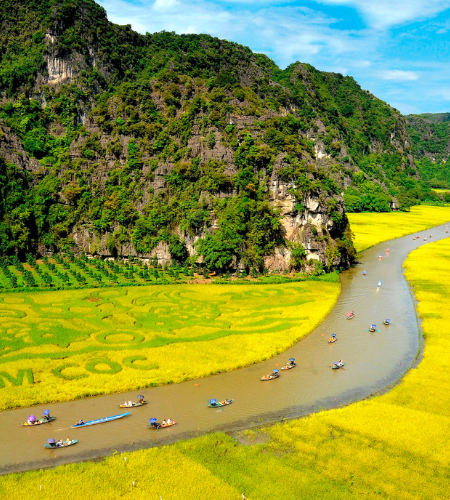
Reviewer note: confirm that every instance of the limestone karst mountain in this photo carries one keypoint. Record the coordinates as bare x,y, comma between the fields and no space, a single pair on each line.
179,146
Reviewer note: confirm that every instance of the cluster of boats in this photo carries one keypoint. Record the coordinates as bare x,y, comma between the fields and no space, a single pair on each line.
154,424
351,314
275,373
425,238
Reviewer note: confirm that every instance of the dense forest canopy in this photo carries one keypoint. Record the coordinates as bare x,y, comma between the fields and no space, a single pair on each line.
126,143
430,136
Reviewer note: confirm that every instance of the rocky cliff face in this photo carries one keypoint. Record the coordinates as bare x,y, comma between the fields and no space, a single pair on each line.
310,229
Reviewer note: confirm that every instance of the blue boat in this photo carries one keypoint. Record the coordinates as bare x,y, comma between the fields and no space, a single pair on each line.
100,420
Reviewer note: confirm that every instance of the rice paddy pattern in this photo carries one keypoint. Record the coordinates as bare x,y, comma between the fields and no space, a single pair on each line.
87,342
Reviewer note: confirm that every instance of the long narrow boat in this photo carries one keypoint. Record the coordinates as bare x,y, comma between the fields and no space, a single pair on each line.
219,404
40,421
157,425
134,404
58,446
101,420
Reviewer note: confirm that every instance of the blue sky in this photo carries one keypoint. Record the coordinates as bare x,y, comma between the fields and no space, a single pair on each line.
399,50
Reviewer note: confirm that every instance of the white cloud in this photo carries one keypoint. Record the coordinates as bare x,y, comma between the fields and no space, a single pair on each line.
383,14
164,5
398,75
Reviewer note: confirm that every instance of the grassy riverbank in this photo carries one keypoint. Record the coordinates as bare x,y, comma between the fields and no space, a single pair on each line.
58,346
372,228
392,446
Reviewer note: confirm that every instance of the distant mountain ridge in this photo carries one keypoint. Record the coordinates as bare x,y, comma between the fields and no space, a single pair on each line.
183,146
430,139
433,117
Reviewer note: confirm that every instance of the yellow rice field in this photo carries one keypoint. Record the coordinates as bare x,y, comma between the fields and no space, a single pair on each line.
372,228
395,446
58,346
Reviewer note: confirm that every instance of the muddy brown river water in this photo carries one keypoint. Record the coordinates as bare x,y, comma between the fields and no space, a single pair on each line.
372,363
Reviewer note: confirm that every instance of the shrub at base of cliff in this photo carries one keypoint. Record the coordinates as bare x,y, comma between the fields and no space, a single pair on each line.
298,256
249,230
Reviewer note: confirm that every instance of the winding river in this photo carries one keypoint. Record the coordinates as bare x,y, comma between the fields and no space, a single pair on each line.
373,362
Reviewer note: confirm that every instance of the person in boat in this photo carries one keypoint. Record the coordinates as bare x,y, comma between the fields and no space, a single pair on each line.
60,442
154,423
130,403
387,321
80,422
46,415
169,421
67,441
125,404
379,284
364,273
163,423
32,420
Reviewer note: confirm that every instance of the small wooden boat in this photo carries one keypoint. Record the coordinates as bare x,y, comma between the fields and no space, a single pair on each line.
157,425
332,340
387,322
101,420
336,366
39,421
350,315
134,404
288,367
219,404
272,376
57,446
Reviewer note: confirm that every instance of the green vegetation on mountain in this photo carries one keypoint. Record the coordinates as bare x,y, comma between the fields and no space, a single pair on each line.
430,137
186,146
